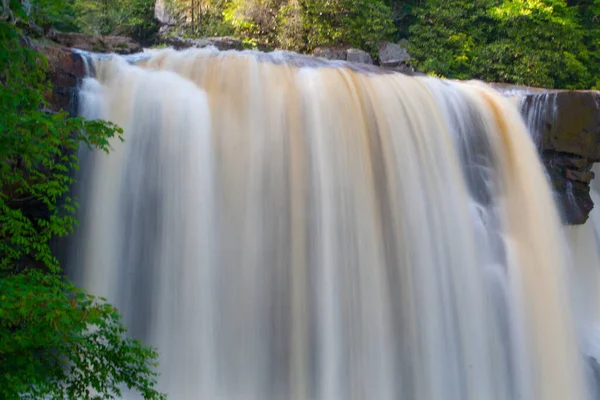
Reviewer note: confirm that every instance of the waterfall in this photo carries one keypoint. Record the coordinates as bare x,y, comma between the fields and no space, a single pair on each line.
289,228
584,242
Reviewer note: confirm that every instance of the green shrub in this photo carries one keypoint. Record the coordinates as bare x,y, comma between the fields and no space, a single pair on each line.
134,18
56,341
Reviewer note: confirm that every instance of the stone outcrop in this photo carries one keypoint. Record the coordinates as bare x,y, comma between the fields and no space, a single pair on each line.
344,54
66,69
392,56
162,14
570,146
221,43
395,56
566,128
96,44
358,56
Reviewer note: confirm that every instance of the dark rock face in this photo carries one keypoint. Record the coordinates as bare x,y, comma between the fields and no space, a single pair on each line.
66,68
566,128
96,44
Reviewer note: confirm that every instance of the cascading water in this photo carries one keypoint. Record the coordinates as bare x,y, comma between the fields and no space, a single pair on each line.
584,243
539,108
283,230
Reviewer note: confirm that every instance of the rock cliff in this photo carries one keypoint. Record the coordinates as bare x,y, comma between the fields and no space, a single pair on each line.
97,44
565,126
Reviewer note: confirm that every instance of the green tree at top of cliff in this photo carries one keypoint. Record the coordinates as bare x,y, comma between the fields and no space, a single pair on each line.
589,14
531,42
299,25
134,18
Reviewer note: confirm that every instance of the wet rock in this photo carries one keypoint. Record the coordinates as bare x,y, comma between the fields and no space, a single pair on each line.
96,43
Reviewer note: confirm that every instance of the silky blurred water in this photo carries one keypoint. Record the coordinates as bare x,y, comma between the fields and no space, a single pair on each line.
284,229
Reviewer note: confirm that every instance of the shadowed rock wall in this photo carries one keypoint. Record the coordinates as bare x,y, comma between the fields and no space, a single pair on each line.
566,128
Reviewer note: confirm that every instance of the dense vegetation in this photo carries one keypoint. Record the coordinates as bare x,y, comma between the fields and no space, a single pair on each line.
56,341
541,42
549,43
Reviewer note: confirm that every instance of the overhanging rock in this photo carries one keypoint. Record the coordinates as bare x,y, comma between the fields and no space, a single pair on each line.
565,124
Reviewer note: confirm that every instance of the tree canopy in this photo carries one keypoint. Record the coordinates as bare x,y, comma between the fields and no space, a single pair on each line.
547,43
531,42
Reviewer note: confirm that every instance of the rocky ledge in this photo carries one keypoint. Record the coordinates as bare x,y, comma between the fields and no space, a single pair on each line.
221,43
564,124
96,44
566,127
65,69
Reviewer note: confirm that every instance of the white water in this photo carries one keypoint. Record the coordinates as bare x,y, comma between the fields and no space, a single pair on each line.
289,232
584,241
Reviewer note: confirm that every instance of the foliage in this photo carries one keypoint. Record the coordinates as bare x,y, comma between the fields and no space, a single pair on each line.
549,43
302,25
444,38
58,14
359,23
256,19
199,18
59,342
299,25
290,26
403,15
134,18
55,341
531,42
589,14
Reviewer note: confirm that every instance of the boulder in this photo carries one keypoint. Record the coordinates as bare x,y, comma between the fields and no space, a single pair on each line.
344,54
392,55
221,43
330,53
96,43
358,56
